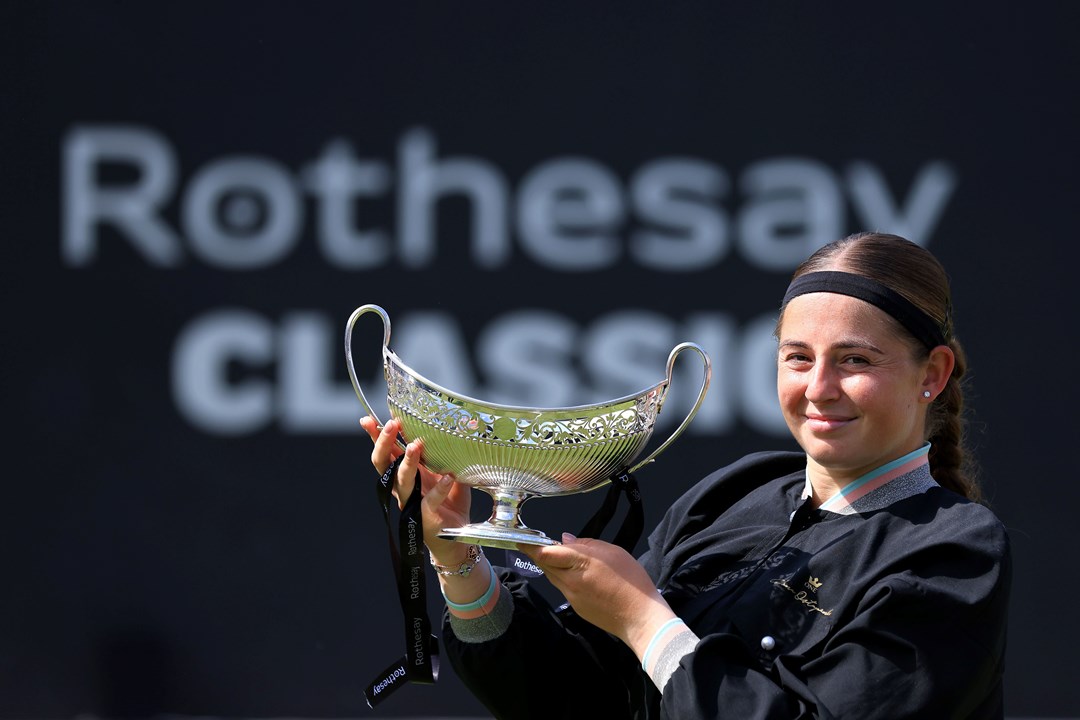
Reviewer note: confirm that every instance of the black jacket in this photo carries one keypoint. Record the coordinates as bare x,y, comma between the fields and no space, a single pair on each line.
896,613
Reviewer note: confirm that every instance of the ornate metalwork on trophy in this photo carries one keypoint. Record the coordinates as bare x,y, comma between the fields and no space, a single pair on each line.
515,453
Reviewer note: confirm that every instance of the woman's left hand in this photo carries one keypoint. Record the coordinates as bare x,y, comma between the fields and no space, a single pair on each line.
605,585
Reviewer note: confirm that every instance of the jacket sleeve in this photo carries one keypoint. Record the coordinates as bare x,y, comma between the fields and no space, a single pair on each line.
546,665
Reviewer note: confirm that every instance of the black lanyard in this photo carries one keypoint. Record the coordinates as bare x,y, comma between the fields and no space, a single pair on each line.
420,664
629,533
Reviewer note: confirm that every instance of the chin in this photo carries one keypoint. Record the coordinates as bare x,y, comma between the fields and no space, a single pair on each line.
825,452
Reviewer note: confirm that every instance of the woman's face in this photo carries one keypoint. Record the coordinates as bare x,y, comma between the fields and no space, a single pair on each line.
849,387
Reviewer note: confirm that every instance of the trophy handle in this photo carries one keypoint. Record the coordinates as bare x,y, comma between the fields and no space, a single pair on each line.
363,309
705,378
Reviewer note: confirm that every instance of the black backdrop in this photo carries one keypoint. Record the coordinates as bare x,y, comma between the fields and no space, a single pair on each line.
196,196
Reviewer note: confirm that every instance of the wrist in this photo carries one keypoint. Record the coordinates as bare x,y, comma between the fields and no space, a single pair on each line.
659,639
481,605
650,620
463,567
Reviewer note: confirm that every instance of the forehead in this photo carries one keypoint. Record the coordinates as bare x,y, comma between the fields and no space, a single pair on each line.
808,317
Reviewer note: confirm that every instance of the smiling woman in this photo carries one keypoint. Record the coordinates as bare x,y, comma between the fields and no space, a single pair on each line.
846,379
852,389
874,336
860,578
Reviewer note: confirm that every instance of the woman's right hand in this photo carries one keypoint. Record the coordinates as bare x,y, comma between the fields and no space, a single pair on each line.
606,586
445,503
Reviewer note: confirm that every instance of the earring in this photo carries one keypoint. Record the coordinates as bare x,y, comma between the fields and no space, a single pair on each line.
926,394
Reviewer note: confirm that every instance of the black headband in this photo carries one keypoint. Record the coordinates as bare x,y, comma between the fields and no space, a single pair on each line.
918,323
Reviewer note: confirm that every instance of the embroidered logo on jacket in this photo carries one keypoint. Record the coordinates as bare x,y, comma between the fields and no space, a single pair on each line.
808,599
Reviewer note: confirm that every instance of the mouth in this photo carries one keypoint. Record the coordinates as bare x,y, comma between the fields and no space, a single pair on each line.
826,423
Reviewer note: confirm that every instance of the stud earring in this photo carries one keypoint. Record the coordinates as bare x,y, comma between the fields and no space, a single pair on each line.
926,394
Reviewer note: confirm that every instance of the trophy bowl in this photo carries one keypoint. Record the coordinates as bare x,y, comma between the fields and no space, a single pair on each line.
515,453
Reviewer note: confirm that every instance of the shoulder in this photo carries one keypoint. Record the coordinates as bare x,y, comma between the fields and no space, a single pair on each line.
722,488
750,472
951,519
980,529
946,546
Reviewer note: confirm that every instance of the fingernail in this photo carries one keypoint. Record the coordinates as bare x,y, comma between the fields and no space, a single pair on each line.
567,538
444,480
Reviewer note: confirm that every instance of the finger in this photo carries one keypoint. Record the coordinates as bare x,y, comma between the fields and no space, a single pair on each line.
371,427
438,492
552,557
531,550
406,475
411,462
457,491
386,448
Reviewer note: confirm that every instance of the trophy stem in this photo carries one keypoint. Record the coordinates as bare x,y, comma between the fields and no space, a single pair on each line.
506,512
504,529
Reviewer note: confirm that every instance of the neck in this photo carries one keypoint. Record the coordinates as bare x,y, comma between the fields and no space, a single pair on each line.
826,483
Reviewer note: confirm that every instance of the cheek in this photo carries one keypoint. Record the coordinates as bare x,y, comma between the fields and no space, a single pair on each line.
860,392
790,388
872,397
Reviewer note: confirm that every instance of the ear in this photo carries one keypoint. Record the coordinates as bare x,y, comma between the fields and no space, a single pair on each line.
939,367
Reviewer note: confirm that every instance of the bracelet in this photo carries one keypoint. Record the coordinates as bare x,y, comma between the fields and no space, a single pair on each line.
656,636
472,557
480,601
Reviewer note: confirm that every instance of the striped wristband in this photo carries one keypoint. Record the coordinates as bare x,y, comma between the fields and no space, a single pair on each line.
656,636
481,601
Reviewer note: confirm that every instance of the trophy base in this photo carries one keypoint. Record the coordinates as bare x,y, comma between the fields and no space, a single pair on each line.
491,535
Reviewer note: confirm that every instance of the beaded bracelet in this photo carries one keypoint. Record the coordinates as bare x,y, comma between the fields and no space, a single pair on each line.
472,557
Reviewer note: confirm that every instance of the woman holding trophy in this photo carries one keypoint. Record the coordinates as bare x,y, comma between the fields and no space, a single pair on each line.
859,578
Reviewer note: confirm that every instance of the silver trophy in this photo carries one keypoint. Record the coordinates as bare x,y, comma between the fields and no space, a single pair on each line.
515,453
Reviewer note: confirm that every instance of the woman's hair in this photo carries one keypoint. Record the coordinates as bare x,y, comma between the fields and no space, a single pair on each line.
913,272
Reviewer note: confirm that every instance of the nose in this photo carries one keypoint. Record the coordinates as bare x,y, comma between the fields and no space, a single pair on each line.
823,383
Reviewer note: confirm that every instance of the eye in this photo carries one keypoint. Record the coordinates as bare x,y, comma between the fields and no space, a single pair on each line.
795,358
855,360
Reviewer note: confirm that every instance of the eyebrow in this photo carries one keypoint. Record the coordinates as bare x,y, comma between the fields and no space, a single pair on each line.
847,344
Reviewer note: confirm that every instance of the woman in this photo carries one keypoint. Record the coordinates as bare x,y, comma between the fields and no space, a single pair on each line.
859,578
